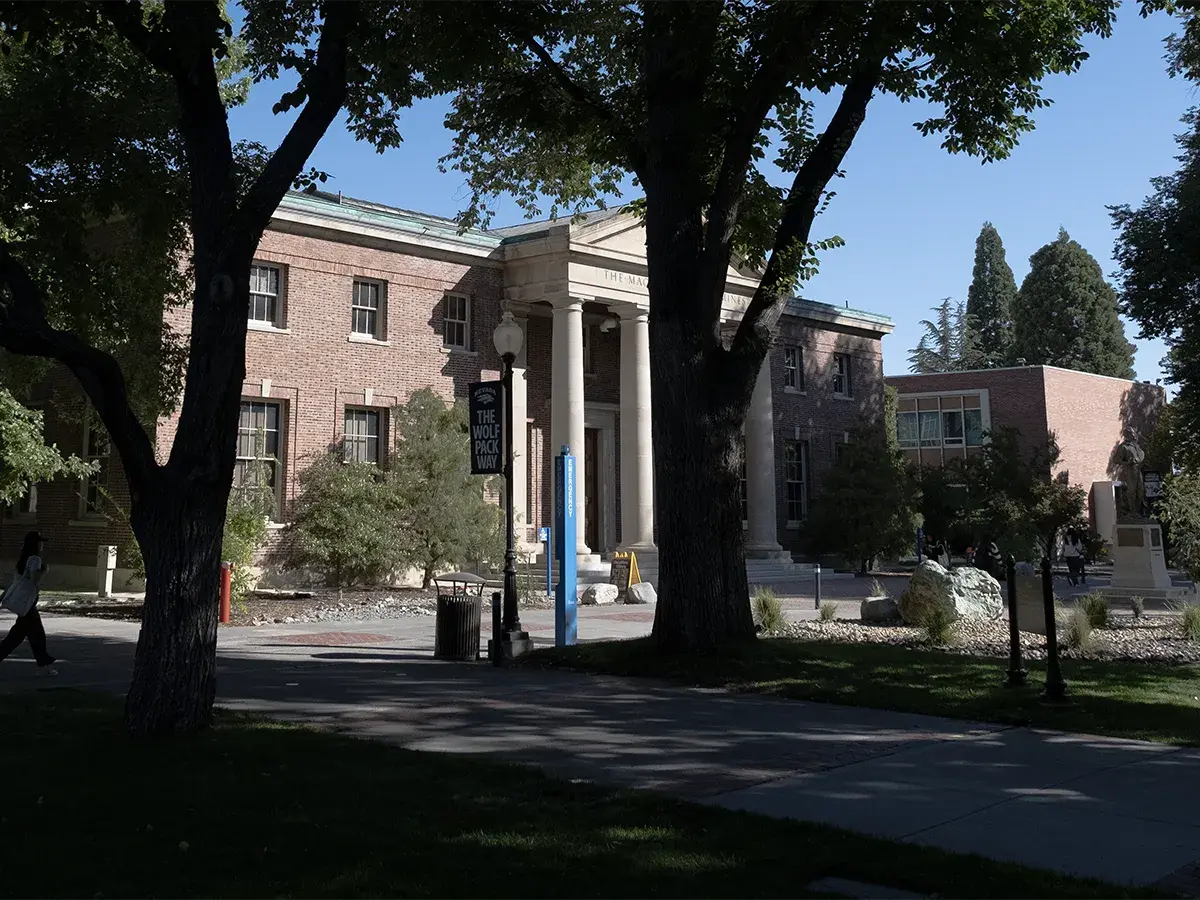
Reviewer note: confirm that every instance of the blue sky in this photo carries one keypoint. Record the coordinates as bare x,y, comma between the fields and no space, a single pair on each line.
908,211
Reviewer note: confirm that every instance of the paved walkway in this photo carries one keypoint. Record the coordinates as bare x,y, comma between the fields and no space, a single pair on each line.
1120,810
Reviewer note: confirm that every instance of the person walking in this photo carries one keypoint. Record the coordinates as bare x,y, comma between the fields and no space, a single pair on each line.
21,597
1072,554
994,561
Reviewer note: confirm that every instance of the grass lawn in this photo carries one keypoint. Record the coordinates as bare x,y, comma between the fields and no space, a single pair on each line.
260,809
1148,702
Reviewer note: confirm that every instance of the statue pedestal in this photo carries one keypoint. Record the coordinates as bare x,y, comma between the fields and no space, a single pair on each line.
1140,563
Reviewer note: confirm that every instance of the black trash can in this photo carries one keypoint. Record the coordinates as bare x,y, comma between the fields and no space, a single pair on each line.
459,616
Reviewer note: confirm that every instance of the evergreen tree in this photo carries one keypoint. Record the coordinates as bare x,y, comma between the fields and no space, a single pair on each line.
1066,314
950,342
990,299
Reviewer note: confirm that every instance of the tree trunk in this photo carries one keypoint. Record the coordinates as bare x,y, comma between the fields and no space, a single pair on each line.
704,601
174,673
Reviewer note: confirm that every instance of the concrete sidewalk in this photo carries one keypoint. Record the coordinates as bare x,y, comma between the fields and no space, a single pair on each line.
1120,810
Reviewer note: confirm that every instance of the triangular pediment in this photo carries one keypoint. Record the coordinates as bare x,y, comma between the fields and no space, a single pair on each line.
623,233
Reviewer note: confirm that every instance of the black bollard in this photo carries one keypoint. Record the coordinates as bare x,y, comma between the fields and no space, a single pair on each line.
817,586
1056,687
1016,668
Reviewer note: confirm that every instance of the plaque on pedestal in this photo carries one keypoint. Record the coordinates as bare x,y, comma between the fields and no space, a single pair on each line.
1140,562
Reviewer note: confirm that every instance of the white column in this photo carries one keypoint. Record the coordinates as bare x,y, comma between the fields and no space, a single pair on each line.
761,539
520,407
566,400
637,449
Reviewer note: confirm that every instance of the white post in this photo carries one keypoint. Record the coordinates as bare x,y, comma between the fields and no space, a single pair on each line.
637,449
106,564
761,539
566,400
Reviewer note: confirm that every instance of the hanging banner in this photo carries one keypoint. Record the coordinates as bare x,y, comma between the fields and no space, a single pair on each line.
486,416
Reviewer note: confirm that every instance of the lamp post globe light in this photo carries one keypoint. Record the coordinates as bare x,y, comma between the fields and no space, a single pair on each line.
508,338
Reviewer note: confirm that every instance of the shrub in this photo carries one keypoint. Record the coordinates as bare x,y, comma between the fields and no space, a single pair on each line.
1189,620
1077,629
877,589
246,516
768,611
1095,606
828,610
345,526
938,624
1138,606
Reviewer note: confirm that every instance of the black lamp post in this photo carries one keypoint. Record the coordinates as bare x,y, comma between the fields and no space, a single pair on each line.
1016,667
508,338
1056,688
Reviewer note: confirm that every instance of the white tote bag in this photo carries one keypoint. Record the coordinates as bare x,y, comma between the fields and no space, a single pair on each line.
20,596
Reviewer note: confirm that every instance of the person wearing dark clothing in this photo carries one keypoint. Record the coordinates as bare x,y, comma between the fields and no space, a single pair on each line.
991,561
1072,554
21,597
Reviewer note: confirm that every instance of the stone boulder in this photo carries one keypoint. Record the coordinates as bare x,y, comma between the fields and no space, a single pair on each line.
642,592
599,595
879,611
964,593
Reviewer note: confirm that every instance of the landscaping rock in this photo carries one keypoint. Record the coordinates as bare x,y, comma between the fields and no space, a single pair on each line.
642,592
879,611
964,593
599,595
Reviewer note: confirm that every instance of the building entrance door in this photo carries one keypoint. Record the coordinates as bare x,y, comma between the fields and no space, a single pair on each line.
591,487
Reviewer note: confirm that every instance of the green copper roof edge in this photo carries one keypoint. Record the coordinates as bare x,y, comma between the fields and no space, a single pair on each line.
410,223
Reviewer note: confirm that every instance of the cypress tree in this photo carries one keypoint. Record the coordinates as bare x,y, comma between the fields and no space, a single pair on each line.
990,300
1066,314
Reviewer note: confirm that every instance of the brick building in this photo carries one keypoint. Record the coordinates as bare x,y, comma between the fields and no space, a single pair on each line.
943,416
355,305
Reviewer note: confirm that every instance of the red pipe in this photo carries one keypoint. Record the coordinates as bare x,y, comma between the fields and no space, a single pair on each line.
226,587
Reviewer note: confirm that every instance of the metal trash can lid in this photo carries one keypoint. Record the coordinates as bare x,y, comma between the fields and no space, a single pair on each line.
460,578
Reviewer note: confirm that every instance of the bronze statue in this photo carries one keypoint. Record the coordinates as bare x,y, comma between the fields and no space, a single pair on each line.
1130,458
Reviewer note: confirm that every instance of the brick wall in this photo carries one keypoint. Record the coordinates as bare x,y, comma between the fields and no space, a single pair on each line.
814,414
1089,413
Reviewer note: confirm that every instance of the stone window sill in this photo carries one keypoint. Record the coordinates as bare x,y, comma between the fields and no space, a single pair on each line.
89,523
367,339
276,526
794,525
267,328
798,391
843,396
458,351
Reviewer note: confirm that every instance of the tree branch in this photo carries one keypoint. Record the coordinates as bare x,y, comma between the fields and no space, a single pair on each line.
25,330
127,18
784,52
326,83
800,209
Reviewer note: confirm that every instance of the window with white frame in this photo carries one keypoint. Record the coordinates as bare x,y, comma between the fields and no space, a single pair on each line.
841,375
587,349
96,450
25,507
366,309
259,446
456,322
942,422
793,368
795,477
266,302
361,437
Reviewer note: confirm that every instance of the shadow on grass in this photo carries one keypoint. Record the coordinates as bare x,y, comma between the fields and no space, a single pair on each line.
255,808
1147,702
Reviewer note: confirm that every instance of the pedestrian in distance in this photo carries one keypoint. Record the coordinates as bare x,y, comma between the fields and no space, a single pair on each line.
21,597
1072,554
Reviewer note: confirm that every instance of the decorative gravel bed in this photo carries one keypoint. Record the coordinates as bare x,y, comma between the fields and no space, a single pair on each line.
1155,639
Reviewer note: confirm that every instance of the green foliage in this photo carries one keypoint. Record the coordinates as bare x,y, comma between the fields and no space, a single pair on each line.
247,513
1095,607
767,610
447,519
827,611
345,524
868,503
1066,314
1137,605
1077,629
1179,510
990,300
944,503
938,624
948,344
891,402
1189,620
877,589
25,459
1012,497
